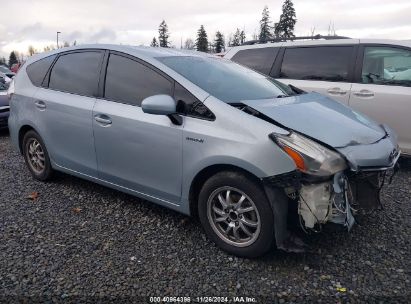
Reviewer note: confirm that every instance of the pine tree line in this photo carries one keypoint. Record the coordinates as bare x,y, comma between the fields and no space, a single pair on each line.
283,29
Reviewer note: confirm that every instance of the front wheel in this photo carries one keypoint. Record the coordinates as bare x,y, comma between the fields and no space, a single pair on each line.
236,214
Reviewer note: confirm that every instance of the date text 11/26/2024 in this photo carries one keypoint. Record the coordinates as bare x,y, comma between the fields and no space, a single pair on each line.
171,299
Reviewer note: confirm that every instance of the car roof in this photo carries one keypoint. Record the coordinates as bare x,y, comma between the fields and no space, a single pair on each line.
234,50
143,52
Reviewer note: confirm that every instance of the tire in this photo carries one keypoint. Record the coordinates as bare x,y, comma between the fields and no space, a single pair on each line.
219,214
36,156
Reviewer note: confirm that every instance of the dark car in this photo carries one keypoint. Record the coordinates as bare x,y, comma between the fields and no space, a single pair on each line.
4,105
6,70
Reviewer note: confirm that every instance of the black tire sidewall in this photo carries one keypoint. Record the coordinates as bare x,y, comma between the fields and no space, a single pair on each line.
47,172
253,190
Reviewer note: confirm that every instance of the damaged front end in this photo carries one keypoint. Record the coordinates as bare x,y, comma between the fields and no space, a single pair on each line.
328,186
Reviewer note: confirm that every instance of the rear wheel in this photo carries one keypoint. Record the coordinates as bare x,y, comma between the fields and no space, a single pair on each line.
36,156
236,214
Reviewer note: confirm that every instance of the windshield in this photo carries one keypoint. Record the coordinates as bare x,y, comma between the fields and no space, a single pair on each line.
224,79
3,86
4,69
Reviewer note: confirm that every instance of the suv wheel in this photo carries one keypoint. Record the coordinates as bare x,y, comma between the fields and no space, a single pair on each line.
36,156
236,214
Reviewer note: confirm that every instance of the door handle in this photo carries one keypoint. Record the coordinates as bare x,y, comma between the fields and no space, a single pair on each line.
103,119
40,104
364,93
336,91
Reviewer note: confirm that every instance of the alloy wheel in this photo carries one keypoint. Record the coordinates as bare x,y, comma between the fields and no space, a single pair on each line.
233,216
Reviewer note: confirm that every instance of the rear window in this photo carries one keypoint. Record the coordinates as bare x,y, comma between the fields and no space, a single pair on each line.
330,63
76,73
38,70
259,59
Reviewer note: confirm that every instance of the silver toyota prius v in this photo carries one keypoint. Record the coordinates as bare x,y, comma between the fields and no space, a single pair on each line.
201,135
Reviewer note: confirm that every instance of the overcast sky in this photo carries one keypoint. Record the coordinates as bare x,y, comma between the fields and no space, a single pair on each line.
35,22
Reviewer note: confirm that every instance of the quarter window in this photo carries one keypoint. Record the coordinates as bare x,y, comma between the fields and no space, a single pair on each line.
188,104
387,65
330,63
76,73
38,70
259,59
130,82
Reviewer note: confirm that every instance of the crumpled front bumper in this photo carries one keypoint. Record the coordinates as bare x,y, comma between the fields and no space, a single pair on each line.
378,156
340,197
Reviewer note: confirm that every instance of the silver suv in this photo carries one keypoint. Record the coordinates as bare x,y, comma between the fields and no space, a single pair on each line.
201,135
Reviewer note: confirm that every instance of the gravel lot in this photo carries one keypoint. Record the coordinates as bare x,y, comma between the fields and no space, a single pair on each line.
79,241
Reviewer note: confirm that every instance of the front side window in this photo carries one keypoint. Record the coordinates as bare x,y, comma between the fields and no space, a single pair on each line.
129,81
37,70
76,73
224,79
387,65
259,59
327,63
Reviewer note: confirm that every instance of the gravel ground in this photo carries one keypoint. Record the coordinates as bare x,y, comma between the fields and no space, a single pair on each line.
78,241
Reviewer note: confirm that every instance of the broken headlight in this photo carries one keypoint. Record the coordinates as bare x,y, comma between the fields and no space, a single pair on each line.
309,156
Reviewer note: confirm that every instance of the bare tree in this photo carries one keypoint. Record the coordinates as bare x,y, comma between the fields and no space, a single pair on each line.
189,44
31,50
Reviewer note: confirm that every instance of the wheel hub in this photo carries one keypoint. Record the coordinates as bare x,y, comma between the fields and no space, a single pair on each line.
233,216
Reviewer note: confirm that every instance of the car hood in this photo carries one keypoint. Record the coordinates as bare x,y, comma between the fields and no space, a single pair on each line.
321,118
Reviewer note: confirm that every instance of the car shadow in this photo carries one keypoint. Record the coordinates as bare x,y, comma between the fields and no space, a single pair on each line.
4,132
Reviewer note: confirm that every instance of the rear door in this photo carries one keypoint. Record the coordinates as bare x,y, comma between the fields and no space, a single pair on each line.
324,69
138,151
63,110
383,88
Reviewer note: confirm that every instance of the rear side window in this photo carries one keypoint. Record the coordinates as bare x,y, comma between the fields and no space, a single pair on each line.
38,70
260,59
329,63
130,82
76,73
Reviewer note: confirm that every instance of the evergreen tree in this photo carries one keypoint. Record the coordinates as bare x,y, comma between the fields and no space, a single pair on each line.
202,40
3,61
242,37
285,27
12,58
236,38
219,43
154,42
265,25
163,34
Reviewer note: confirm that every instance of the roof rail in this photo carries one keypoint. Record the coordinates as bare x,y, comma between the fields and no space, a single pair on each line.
294,38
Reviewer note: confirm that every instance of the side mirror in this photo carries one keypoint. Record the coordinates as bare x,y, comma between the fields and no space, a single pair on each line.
162,105
159,105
